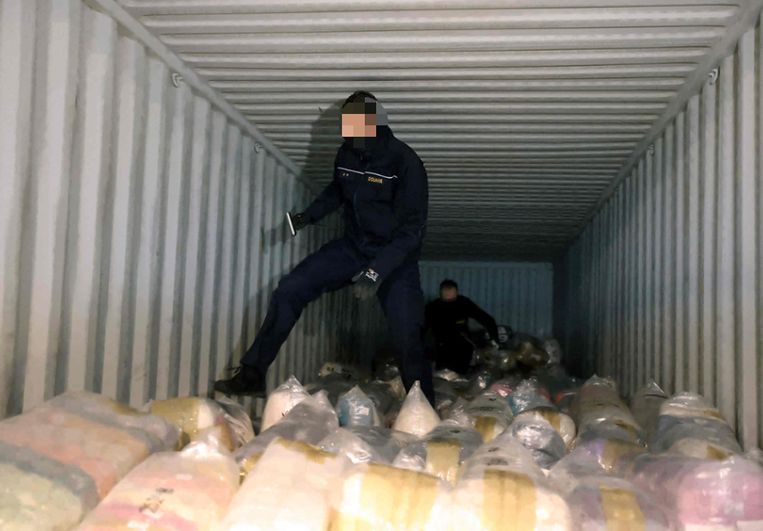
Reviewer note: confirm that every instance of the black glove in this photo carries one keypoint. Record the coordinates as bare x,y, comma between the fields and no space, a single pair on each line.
299,221
366,284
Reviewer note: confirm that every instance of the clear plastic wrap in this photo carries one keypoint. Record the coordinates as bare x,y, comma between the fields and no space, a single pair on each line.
375,496
645,406
491,415
239,421
703,493
479,382
348,444
602,503
505,386
58,460
282,400
381,394
334,385
449,376
416,415
501,488
339,369
607,450
385,443
172,491
527,395
441,452
554,350
563,424
192,415
530,354
598,407
355,408
288,489
690,426
538,436
390,374
310,422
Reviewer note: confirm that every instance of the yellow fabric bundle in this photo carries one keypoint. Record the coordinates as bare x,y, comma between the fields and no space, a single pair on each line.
193,415
375,496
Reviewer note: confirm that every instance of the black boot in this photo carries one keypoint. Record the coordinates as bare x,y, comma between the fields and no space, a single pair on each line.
246,380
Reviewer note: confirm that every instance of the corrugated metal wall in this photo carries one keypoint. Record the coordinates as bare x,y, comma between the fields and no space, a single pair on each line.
140,222
519,294
666,280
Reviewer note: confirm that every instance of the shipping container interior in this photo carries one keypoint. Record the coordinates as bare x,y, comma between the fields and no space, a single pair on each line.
594,173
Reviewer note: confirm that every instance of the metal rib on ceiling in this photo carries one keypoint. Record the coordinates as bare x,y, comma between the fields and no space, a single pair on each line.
523,111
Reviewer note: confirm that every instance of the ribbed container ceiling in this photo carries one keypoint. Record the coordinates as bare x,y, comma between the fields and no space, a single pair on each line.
526,113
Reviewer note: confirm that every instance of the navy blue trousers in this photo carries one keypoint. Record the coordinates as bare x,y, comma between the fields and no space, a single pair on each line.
331,268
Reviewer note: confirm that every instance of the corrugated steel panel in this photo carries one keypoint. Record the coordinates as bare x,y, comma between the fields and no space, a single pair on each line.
137,248
682,236
523,112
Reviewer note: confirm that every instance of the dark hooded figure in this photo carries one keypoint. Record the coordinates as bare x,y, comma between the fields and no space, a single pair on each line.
381,185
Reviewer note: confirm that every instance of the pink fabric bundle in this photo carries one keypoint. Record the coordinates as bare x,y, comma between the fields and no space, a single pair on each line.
726,494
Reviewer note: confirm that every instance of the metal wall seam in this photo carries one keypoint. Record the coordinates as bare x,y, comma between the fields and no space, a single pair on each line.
690,253
208,281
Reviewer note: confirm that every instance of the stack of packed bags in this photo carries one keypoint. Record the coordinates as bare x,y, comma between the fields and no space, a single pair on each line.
82,455
518,449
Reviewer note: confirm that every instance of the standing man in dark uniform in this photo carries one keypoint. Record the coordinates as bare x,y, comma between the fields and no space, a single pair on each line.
448,317
382,186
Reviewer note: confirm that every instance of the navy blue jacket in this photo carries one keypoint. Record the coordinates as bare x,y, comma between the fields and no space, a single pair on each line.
383,189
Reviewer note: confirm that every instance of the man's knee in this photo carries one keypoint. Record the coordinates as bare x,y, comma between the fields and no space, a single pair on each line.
291,288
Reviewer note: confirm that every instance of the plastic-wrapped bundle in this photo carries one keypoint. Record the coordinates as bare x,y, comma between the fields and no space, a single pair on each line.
339,369
193,415
645,406
62,457
530,354
390,375
500,487
505,386
239,421
565,400
598,407
528,395
608,451
181,491
554,351
441,452
287,489
562,423
416,416
355,408
704,493
335,385
282,400
381,394
348,444
385,443
449,376
538,436
602,503
491,415
310,422
375,496
688,425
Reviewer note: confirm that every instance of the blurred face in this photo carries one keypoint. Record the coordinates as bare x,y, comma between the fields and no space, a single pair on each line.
448,294
358,125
